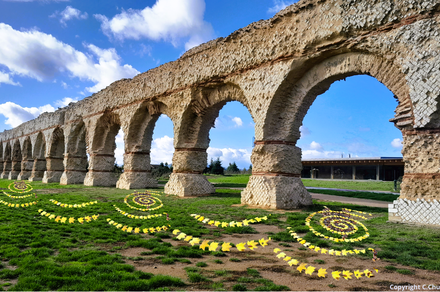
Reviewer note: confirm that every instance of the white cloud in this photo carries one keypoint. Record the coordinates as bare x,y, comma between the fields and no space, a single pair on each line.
5,78
16,114
64,85
167,20
65,101
396,143
120,149
304,131
68,14
238,122
242,157
162,150
280,5
315,146
40,56
314,154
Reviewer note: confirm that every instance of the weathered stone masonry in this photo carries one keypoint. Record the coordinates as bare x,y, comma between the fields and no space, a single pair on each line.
276,68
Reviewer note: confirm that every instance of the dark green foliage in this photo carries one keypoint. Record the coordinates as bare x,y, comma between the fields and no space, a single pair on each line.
201,264
239,287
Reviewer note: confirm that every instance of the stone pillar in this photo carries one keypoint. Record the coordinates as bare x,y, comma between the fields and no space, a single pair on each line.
54,170
75,169
353,176
276,177
377,172
187,178
101,171
332,176
419,198
7,165
26,169
137,172
38,170
15,169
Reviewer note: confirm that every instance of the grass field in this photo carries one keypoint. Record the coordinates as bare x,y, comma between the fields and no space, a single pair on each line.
240,181
38,253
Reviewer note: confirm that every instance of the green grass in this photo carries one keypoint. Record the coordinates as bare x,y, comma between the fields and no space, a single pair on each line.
55,256
362,195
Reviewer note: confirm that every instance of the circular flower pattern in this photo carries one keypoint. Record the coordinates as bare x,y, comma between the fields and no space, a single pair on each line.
144,199
20,187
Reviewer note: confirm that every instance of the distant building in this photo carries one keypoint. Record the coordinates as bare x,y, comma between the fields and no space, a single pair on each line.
372,168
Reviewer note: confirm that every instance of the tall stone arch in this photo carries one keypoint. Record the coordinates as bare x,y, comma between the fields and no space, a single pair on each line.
27,160
54,156
191,138
39,156
75,158
16,160
276,159
137,161
101,140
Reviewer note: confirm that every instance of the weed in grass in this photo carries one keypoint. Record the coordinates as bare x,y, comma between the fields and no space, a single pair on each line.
284,244
245,280
168,261
391,268
217,286
405,272
145,253
234,260
196,277
218,262
319,261
239,287
332,285
221,273
201,264
253,272
191,269
184,261
272,287
218,254
302,248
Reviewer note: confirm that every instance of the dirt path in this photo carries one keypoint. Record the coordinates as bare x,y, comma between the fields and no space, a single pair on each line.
349,200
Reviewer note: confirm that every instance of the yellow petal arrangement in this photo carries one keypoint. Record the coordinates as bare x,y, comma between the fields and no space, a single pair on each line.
226,246
136,216
227,224
17,205
138,199
18,197
346,274
130,229
20,187
70,220
65,205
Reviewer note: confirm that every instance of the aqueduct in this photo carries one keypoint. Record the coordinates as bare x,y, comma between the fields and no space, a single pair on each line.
276,68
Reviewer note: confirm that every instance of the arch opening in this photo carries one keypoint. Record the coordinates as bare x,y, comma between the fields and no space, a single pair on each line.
101,171
39,156
16,160
55,157
27,161
7,161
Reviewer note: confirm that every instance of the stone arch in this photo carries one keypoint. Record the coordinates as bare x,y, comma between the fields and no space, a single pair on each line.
101,149
54,156
16,160
276,153
75,158
137,162
39,156
192,138
7,162
27,161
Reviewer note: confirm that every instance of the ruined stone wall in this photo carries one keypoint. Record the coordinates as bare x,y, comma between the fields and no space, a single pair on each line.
276,68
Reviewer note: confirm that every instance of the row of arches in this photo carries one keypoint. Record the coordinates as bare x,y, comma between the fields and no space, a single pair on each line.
277,111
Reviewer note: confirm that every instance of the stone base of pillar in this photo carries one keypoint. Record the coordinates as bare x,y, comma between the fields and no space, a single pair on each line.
276,192
419,211
24,175
13,174
72,177
36,176
101,179
136,180
5,175
52,176
188,185
420,186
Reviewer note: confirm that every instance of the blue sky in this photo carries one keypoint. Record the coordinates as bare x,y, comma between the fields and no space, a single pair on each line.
54,52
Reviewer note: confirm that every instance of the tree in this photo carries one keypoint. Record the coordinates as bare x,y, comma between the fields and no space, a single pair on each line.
216,167
233,168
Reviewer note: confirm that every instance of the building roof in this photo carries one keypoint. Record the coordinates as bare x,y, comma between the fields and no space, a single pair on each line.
355,161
